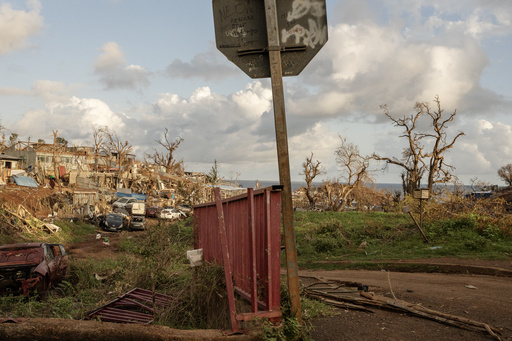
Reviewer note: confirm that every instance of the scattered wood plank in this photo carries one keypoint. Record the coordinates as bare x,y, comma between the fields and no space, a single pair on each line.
332,293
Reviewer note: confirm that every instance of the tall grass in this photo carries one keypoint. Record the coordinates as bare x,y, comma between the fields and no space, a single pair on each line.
154,260
380,235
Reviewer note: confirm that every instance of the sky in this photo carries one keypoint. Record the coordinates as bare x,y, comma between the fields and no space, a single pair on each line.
139,67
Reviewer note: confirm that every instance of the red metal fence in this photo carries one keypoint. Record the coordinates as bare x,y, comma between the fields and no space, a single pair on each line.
243,233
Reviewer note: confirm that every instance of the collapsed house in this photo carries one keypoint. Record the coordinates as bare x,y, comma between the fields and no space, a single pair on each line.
87,182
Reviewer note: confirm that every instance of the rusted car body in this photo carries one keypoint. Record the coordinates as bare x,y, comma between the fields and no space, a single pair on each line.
29,267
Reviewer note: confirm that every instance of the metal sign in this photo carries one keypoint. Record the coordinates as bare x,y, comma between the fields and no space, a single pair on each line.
241,33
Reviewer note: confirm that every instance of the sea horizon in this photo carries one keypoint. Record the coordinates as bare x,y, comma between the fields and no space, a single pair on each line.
298,184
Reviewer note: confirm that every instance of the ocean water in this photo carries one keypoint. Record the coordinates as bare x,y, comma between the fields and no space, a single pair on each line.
298,184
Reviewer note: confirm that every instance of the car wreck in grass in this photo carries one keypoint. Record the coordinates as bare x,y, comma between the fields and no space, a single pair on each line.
30,267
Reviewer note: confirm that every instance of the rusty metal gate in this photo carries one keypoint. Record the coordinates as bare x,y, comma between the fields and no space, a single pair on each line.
243,234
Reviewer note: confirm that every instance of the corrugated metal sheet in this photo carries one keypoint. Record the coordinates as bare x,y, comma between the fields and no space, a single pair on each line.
133,307
85,198
253,228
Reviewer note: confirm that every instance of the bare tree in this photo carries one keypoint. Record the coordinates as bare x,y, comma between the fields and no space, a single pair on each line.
310,171
439,171
117,146
166,158
416,160
355,171
98,135
479,185
412,159
505,173
233,177
335,194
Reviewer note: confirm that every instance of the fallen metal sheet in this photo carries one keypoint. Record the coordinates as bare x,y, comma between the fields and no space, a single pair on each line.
133,307
26,181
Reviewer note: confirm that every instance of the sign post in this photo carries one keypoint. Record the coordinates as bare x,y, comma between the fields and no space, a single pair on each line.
248,32
283,159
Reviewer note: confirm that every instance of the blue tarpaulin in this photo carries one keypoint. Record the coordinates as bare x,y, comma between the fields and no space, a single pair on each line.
138,196
26,181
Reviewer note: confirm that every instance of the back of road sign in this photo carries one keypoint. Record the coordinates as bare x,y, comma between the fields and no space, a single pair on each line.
241,33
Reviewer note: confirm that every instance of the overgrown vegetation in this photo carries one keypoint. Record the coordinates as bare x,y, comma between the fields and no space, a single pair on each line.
155,260
454,227
70,232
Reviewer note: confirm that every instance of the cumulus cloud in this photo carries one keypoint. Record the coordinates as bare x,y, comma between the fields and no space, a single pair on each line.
231,134
73,119
485,148
116,73
207,66
18,26
425,52
48,91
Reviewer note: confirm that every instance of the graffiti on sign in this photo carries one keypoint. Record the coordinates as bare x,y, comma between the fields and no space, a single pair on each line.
241,33
316,33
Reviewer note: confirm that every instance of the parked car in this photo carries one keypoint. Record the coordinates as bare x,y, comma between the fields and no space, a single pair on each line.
137,222
153,211
29,267
113,222
170,213
122,202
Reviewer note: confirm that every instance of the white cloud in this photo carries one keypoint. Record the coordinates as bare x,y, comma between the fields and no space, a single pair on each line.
367,63
46,90
18,26
208,66
72,119
115,72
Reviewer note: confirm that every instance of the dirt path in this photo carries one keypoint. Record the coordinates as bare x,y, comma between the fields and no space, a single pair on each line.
93,247
485,299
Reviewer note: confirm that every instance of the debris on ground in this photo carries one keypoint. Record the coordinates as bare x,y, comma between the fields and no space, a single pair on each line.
353,296
136,306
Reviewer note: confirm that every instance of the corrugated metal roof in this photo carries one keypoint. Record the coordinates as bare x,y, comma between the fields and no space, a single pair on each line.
9,157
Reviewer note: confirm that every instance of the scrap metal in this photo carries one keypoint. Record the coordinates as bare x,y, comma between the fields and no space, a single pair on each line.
135,306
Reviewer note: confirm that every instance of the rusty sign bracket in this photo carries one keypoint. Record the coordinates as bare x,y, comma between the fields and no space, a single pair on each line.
264,50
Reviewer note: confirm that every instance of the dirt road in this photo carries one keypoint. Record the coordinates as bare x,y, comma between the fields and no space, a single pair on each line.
485,299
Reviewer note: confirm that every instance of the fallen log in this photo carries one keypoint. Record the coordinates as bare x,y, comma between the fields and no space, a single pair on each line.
66,329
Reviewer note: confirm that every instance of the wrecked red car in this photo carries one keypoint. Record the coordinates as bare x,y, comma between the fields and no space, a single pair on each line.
30,267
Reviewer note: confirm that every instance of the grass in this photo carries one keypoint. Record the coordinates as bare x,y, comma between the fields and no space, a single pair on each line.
155,260
336,236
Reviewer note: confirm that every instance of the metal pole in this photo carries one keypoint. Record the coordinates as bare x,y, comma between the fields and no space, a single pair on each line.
228,273
282,156
421,214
